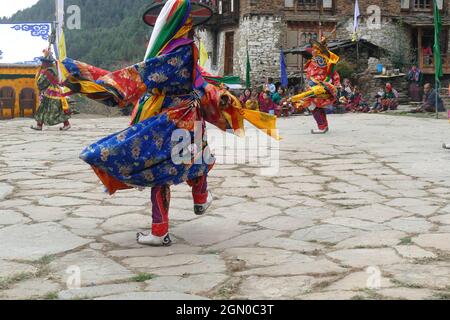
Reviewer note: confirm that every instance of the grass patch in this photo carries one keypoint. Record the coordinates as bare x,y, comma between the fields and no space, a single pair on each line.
228,290
43,270
45,260
442,296
6,283
406,285
51,296
358,298
142,277
81,298
405,241
372,294
43,266
212,252
371,247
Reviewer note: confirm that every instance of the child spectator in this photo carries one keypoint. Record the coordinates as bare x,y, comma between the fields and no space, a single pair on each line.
252,103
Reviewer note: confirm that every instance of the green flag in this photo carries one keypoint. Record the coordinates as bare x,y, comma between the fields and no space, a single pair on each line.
248,82
437,45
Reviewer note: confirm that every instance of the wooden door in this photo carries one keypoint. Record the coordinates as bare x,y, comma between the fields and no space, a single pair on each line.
229,53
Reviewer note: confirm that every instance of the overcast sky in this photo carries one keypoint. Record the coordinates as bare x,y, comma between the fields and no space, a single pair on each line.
9,7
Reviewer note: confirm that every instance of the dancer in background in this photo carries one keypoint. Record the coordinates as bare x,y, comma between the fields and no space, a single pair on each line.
322,83
53,107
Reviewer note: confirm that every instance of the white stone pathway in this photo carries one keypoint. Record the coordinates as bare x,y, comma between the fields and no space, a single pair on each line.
362,213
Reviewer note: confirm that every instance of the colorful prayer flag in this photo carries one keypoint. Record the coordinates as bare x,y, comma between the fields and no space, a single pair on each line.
284,77
203,54
356,22
61,52
248,82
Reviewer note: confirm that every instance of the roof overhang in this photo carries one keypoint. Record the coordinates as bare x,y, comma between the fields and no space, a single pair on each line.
18,66
335,45
424,21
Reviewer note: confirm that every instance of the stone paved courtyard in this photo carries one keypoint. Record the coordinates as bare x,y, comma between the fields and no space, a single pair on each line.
362,213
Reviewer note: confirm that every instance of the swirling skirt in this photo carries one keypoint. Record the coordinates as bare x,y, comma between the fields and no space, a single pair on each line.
168,149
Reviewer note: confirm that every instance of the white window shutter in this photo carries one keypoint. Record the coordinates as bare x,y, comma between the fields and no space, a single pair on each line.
327,4
289,3
405,4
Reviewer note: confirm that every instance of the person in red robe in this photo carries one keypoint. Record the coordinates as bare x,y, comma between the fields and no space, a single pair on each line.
322,83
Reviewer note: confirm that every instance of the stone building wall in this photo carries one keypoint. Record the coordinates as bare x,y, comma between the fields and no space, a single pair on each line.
389,7
207,38
391,35
265,7
264,25
265,37
341,7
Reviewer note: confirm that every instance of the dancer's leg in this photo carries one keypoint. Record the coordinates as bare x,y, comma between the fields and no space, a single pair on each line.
320,115
38,126
67,126
160,219
202,197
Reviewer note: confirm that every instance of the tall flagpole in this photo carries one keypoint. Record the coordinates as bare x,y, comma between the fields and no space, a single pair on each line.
59,5
436,80
320,21
60,44
355,29
437,54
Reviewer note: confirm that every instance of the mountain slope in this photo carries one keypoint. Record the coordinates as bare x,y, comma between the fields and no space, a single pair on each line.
112,33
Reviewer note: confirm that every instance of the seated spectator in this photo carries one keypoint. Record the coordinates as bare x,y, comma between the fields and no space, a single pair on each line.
377,107
267,105
261,92
341,101
245,96
346,89
270,86
356,102
429,101
389,100
279,95
287,109
252,103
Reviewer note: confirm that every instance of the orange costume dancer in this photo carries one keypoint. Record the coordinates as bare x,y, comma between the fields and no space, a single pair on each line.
322,81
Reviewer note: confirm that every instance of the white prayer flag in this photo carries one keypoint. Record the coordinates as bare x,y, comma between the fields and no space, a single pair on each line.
357,15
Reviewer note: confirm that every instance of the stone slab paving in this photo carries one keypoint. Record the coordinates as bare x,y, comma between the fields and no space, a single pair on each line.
361,213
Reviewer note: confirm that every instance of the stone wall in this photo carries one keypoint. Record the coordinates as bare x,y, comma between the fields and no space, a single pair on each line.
370,86
390,35
207,38
264,26
342,7
255,7
389,7
265,37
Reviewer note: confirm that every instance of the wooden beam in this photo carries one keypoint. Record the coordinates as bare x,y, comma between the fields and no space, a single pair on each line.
420,49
